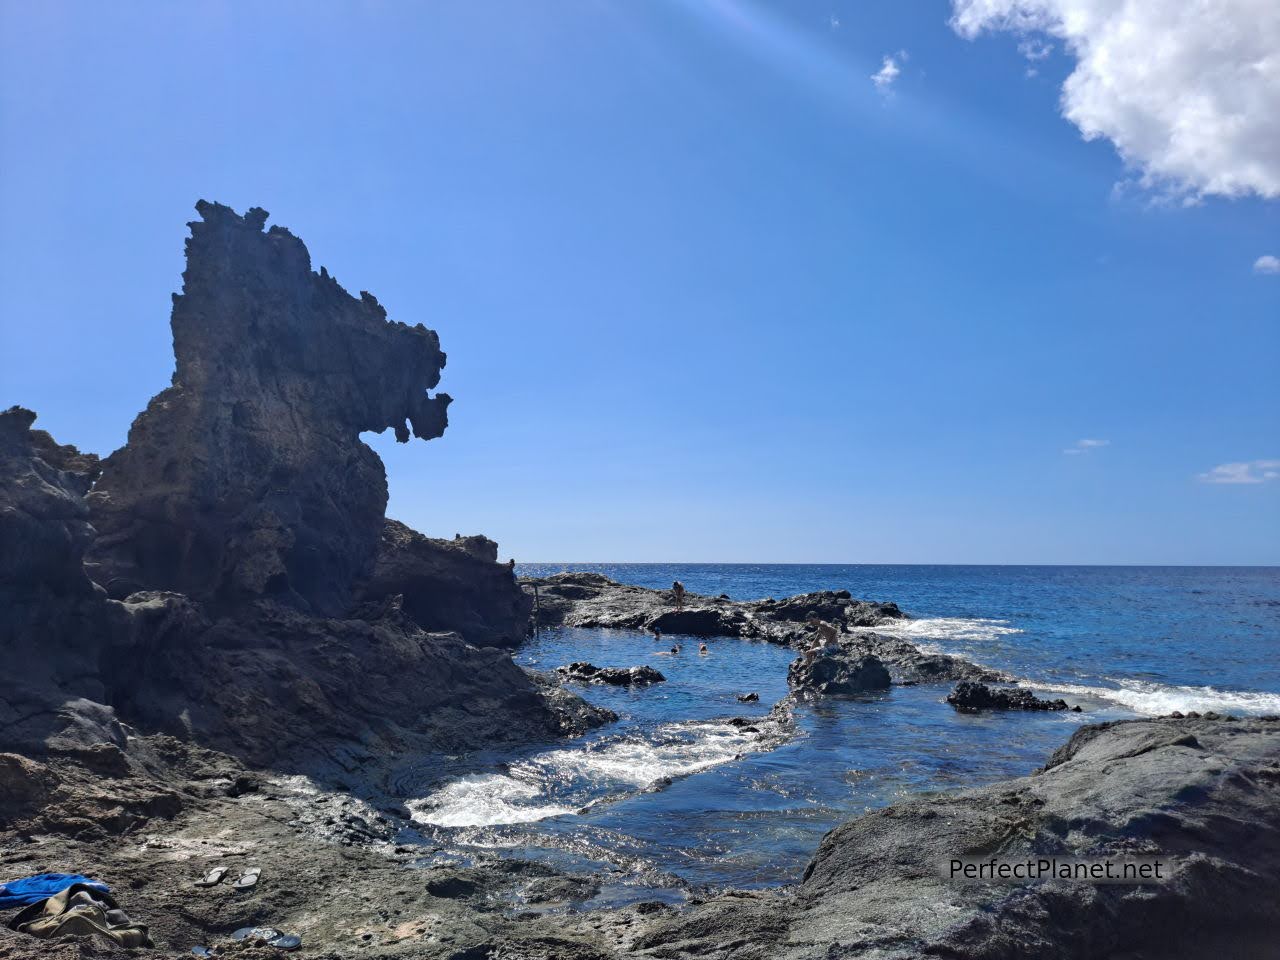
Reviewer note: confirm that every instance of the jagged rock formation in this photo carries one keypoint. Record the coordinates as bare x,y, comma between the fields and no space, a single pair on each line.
247,477
837,675
250,595
613,676
969,697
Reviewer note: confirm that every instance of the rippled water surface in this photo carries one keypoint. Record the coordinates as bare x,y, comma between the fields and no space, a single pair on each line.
671,796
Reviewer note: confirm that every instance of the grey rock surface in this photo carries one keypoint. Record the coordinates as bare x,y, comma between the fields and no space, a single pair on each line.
1203,796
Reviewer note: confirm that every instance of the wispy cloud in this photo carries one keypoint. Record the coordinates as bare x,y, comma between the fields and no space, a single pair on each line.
1035,49
1266,264
1086,446
889,71
1248,471
834,21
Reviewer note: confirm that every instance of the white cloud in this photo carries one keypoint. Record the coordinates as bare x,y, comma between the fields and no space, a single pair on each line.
834,21
1086,445
888,72
1266,264
1250,471
1187,90
1035,49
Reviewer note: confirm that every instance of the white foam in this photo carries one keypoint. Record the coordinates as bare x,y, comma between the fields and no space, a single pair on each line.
484,799
642,763
1157,699
540,786
945,628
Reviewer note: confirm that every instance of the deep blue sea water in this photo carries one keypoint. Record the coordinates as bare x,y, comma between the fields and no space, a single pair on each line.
671,798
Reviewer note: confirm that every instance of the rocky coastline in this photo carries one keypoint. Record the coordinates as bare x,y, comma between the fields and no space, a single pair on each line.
221,652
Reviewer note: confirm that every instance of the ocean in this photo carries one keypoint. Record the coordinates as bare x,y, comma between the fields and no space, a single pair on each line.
671,801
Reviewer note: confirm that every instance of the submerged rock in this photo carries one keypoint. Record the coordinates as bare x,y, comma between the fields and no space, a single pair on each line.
835,674
614,676
969,697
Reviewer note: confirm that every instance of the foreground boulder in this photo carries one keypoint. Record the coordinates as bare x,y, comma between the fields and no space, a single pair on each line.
836,674
969,697
1200,796
614,676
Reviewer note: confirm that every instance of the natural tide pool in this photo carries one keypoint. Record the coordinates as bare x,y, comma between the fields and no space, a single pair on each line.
671,797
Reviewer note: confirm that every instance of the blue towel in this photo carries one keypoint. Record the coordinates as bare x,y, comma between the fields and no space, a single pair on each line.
28,890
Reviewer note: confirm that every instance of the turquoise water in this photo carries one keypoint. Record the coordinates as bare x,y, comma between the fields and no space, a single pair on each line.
672,798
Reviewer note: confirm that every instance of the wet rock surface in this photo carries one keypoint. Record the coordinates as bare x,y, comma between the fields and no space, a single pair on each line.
975,697
836,674
614,676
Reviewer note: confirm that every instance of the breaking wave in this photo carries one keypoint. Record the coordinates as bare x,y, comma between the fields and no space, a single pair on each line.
1157,699
945,628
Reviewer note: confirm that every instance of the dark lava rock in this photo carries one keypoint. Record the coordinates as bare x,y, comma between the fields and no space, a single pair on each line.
749,697
835,606
832,674
614,676
247,477
698,622
450,585
969,697
309,633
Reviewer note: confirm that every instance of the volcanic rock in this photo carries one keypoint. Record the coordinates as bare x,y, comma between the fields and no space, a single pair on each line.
969,697
247,478
1201,796
614,676
834,674
450,585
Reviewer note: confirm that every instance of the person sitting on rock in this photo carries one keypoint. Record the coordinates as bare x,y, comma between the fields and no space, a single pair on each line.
511,565
677,592
824,637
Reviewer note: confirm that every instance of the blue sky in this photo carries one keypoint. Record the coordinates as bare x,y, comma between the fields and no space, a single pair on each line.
709,291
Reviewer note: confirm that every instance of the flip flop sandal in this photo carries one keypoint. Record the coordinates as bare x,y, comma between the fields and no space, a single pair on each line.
212,878
285,941
248,879
256,933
